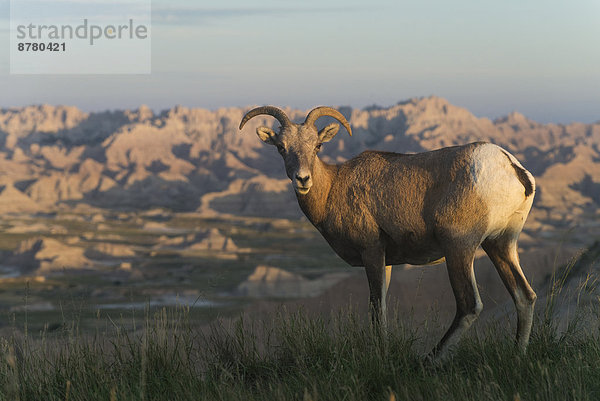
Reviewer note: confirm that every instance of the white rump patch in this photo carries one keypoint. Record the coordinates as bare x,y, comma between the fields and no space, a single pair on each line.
496,182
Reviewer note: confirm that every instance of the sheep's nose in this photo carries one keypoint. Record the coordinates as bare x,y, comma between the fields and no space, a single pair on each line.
303,180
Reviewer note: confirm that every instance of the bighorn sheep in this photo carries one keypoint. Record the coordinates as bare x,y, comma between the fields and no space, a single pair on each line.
381,208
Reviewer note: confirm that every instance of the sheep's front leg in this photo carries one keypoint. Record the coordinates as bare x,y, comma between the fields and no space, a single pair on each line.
378,275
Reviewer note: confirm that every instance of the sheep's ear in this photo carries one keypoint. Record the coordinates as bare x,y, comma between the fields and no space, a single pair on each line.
327,133
267,135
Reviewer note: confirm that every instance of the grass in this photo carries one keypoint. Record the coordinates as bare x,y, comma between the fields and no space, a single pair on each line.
289,356
293,357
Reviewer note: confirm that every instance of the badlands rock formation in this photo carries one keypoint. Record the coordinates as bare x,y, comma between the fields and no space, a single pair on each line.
207,240
43,254
273,282
194,159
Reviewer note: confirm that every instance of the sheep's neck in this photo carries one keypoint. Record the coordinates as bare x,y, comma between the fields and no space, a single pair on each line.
314,203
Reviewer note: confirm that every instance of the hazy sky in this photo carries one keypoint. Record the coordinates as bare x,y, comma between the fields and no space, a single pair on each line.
540,57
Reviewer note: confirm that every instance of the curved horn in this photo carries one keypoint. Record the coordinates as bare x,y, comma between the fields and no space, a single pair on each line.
270,110
318,112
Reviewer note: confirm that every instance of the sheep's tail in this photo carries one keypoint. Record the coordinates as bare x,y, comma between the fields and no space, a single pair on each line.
523,175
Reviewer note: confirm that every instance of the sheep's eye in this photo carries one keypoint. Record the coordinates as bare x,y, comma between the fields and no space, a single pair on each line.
280,149
318,147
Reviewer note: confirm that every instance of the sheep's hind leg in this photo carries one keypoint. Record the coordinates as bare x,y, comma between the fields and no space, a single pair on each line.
378,275
468,302
503,253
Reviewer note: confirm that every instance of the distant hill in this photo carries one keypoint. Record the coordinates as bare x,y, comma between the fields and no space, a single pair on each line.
195,159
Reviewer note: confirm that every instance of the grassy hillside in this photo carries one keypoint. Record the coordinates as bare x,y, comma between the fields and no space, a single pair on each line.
169,354
294,357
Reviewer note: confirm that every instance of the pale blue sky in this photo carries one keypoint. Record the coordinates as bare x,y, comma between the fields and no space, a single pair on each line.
540,57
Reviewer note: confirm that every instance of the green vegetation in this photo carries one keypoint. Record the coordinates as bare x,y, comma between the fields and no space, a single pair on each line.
58,344
292,357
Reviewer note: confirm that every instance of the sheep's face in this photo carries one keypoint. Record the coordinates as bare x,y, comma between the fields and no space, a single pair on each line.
298,145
